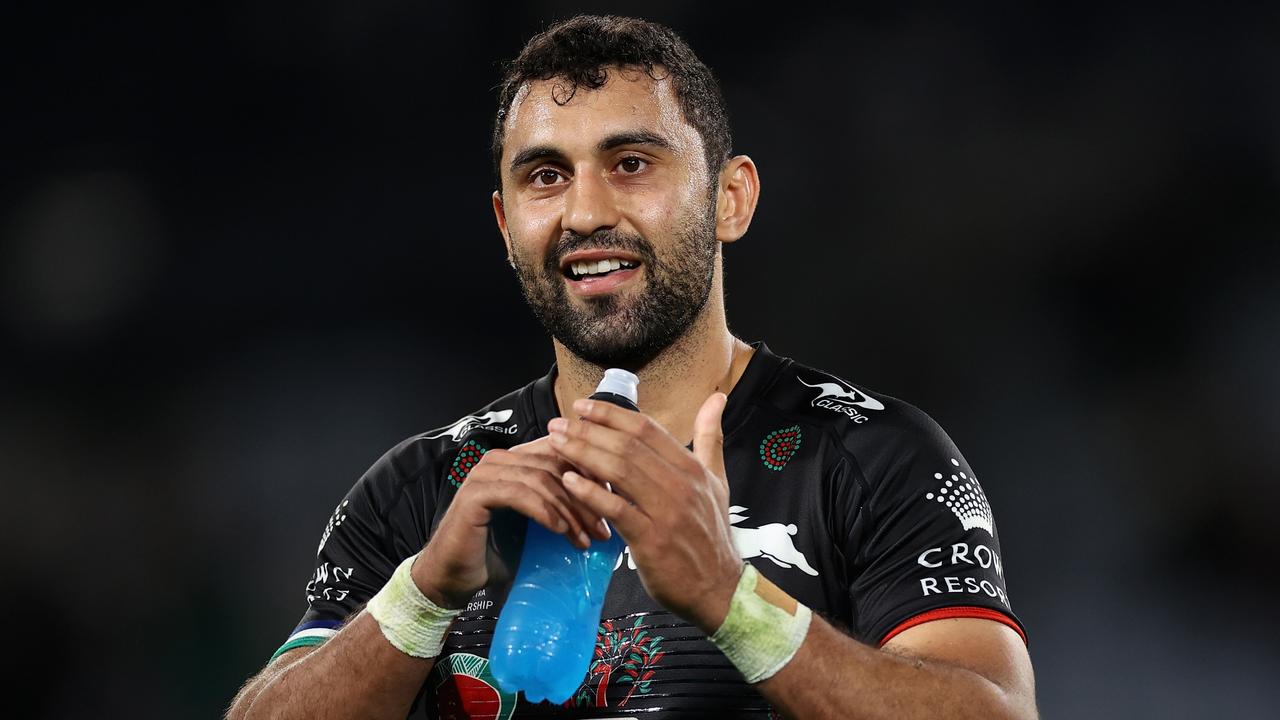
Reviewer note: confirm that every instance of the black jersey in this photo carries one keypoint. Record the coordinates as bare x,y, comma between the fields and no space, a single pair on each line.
855,503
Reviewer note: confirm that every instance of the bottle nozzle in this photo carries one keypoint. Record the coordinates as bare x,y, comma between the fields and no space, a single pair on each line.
620,382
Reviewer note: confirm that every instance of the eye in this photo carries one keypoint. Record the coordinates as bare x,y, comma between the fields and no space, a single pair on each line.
545,177
632,165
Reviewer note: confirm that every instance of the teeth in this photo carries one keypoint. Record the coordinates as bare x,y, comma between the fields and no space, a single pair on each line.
581,268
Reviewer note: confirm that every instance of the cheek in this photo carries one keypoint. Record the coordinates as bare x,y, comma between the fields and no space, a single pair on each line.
663,211
533,227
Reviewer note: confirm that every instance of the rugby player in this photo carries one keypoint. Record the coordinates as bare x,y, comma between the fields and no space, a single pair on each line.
796,545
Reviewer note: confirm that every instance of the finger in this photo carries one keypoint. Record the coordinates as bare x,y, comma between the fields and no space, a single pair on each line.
542,448
708,434
549,487
545,460
630,521
634,424
554,466
634,474
497,494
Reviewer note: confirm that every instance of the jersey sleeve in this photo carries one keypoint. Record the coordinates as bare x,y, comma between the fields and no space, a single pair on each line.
929,549
362,543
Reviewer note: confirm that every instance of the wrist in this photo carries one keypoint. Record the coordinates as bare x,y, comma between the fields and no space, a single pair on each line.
763,629
717,602
409,620
422,571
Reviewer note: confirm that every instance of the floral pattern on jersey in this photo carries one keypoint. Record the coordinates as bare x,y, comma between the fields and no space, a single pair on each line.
623,656
779,446
468,457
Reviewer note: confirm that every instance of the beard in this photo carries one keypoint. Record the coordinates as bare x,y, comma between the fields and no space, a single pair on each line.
625,332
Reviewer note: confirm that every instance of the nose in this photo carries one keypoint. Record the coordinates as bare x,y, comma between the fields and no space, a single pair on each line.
589,205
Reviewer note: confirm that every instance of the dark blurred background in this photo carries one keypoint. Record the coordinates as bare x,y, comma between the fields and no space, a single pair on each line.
245,247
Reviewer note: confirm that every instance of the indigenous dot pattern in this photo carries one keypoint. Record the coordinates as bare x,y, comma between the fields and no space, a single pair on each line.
468,457
962,494
779,446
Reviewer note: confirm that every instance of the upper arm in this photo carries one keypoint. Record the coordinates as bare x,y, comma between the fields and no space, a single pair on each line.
923,545
986,648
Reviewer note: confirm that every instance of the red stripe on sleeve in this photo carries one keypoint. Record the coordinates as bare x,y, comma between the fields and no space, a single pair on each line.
955,612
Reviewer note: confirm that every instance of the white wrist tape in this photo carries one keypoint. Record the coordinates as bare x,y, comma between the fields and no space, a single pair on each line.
764,627
409,620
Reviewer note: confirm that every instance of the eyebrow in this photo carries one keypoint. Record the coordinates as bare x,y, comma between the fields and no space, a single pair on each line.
633,137
538,153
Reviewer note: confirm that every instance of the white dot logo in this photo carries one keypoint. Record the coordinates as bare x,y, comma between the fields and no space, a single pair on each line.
335,521
962,495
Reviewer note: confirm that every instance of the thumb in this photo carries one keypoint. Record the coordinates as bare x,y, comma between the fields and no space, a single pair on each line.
708,435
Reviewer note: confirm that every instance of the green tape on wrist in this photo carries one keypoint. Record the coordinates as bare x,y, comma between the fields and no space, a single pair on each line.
764,628
409,620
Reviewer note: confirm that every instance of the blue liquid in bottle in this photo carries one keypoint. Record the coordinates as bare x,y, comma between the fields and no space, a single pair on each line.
546,632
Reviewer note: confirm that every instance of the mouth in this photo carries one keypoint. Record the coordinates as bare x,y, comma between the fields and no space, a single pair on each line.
592,272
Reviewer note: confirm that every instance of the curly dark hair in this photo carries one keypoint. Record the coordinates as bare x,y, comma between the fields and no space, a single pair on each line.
582,49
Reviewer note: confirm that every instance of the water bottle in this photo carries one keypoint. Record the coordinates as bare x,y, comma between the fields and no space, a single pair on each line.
546,632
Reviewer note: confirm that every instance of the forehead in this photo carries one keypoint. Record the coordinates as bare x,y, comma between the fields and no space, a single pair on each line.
629,100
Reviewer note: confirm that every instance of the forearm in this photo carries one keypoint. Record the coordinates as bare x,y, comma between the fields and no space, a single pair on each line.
357,673
834,676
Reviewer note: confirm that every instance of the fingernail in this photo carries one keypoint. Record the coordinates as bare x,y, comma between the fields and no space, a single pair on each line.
558,438
604,528
583,539
561,525
582,406
569,477
558,425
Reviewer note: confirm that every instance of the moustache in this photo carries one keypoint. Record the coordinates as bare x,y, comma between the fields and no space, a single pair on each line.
609,239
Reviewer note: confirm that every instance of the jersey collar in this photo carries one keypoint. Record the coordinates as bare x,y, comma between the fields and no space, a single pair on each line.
758,376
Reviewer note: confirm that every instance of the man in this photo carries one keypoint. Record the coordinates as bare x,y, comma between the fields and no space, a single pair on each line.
799,548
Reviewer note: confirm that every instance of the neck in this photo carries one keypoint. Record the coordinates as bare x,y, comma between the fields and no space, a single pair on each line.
705,359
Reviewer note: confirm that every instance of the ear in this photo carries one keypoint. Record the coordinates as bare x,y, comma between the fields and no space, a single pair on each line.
736,201
500,214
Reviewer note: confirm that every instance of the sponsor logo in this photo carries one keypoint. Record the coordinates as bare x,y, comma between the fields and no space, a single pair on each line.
772,541
468,457
846,401
962,555
962,494
324,583
465,688
335,520
779,446
491,421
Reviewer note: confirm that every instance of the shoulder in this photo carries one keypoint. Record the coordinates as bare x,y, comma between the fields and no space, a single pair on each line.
879,433
500,423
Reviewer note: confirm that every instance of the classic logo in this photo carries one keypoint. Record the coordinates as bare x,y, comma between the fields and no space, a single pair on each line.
772,541
467,690
846,401
491,421
964,497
